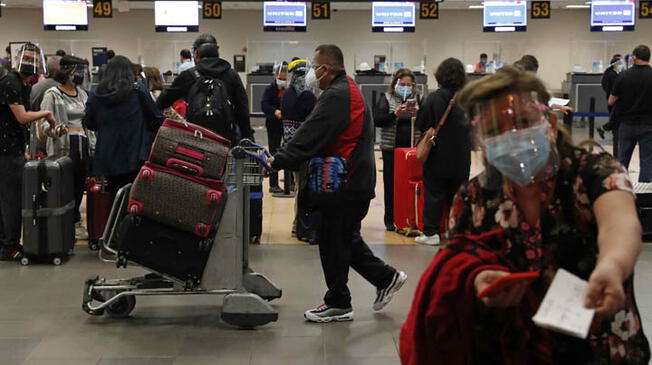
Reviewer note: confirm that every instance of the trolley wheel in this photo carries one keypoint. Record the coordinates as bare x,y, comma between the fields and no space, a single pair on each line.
56,261
93,245
24,261
121,262
91,312
122,307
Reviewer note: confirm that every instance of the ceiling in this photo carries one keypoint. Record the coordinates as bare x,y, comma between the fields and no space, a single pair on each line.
255,5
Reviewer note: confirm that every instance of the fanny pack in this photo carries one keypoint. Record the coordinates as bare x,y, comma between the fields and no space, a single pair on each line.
327,177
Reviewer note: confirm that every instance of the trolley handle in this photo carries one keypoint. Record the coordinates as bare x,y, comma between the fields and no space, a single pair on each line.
247,143
240,152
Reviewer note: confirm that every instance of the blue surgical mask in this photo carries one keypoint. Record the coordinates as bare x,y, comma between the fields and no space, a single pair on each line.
403,91
519,155
78,79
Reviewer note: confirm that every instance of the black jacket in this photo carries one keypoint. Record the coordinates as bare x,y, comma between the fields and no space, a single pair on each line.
339,125
124,130
451,158
269,104
218,68
297,107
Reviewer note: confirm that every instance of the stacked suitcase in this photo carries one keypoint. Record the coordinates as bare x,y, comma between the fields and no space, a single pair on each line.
176,202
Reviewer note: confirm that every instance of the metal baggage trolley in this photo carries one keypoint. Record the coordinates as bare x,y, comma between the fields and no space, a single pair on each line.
227,271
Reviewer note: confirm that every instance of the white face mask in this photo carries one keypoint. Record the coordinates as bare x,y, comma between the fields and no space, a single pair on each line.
312,82
282,84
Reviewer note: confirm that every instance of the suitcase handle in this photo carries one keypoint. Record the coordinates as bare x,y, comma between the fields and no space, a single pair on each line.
185,167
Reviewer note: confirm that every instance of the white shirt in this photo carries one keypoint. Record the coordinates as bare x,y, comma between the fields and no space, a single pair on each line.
186,65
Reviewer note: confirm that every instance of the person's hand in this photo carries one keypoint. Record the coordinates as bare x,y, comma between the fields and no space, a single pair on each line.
414,111
605,293
565,109
270,160
402,109
61,129
508,298
50,119
278,114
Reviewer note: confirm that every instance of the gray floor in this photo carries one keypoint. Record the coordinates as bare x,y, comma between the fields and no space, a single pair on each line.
41,321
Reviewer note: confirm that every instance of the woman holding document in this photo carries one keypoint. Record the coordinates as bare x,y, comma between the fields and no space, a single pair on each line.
541,205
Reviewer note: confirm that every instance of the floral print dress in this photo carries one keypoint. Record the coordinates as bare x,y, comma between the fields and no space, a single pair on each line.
564,237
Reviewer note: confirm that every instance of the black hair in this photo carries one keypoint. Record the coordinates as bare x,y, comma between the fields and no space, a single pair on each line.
333,53
451,74
617,55
66,65
185,54
118,77
60,53
642,53
528,63
206,45
483,55
110,54
8,49
295,58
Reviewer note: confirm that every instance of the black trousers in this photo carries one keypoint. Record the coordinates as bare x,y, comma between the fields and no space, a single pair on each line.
388,182
115,182
439,194
11,185
341,247
80,163
274,136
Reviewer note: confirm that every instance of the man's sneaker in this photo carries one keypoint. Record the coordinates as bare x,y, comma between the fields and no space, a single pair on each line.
428,240
275,190
80,232
11,254
384,296
325,313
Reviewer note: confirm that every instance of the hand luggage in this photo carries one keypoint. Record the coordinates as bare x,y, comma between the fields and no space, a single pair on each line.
163,249
188,203
255,213
190,149
308,223
48,209
408,172
98,209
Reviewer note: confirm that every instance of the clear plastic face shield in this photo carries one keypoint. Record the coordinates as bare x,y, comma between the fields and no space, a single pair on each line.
296,73
618,65
404,87
281,74
31,60
516,137
79,75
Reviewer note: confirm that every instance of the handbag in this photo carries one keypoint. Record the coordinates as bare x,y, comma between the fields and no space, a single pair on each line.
428,140
327,177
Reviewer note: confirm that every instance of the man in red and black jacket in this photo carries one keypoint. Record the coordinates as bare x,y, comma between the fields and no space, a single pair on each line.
340,125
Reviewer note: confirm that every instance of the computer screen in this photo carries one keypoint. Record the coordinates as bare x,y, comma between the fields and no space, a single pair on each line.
284,16
176,16
505,16
65,15
613,15
393,16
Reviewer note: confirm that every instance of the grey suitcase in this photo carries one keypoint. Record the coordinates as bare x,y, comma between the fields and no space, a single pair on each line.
48,210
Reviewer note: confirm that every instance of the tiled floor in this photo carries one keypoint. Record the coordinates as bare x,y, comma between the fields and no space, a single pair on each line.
41,321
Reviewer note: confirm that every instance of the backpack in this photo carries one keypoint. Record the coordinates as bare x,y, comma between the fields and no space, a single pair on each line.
209,106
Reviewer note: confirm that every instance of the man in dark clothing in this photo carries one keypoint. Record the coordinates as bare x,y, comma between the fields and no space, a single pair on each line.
608,79
14,115
271,106
631,95
209,64
341,126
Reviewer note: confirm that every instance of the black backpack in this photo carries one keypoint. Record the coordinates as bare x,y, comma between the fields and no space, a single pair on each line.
209,106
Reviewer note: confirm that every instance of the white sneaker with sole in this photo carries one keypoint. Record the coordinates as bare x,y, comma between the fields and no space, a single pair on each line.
325,313
384,296
428,240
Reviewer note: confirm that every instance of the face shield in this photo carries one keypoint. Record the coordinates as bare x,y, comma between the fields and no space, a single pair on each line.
79,74
296,75
31,60
404,89
516,137
280,74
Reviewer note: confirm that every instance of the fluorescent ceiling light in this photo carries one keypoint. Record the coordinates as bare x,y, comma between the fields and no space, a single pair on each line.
578,6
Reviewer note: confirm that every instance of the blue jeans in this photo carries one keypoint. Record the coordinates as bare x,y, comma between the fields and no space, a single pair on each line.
630,133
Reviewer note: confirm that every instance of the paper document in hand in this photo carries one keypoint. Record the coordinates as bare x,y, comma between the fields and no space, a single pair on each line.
558,102
562,309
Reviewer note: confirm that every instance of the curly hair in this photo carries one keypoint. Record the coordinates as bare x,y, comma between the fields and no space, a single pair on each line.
451,74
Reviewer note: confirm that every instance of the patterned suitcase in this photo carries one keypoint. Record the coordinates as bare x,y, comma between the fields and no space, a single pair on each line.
190,149
188,203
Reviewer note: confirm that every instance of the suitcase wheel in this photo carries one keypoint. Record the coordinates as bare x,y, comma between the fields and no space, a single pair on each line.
24,261
93,245
56,261
121,262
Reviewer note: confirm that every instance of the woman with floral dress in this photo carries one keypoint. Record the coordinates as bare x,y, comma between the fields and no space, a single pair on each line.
540,205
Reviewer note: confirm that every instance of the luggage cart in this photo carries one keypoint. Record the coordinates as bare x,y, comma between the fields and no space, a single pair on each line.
227,271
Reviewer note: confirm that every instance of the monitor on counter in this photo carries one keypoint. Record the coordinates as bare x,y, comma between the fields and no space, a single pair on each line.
176,16
505,16
613,15
65,15
287,16
393,16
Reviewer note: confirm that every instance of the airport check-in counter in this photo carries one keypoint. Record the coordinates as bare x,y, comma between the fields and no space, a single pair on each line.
373,86
581,87
256,84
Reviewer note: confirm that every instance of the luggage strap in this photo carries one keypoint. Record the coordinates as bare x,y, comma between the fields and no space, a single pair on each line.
49,212
39,199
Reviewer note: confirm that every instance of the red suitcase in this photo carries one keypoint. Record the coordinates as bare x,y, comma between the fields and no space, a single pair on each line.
407,173
190,149
98,209
189,203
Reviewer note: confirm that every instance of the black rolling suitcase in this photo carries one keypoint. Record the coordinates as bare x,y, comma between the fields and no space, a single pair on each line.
643,193
255,213
163,249
48,210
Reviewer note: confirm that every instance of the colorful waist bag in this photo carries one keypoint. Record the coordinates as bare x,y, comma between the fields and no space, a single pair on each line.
326,181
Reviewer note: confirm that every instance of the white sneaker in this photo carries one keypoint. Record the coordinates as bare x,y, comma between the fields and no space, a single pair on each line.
325,313
80,232
428,240
384,296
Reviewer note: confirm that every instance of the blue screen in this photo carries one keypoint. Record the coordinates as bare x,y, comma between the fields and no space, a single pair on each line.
505,13
285,14
612,13
397,14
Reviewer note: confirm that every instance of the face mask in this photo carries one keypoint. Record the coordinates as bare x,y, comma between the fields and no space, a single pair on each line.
282,84
27,70
312,82
403,91
519,155
78,79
